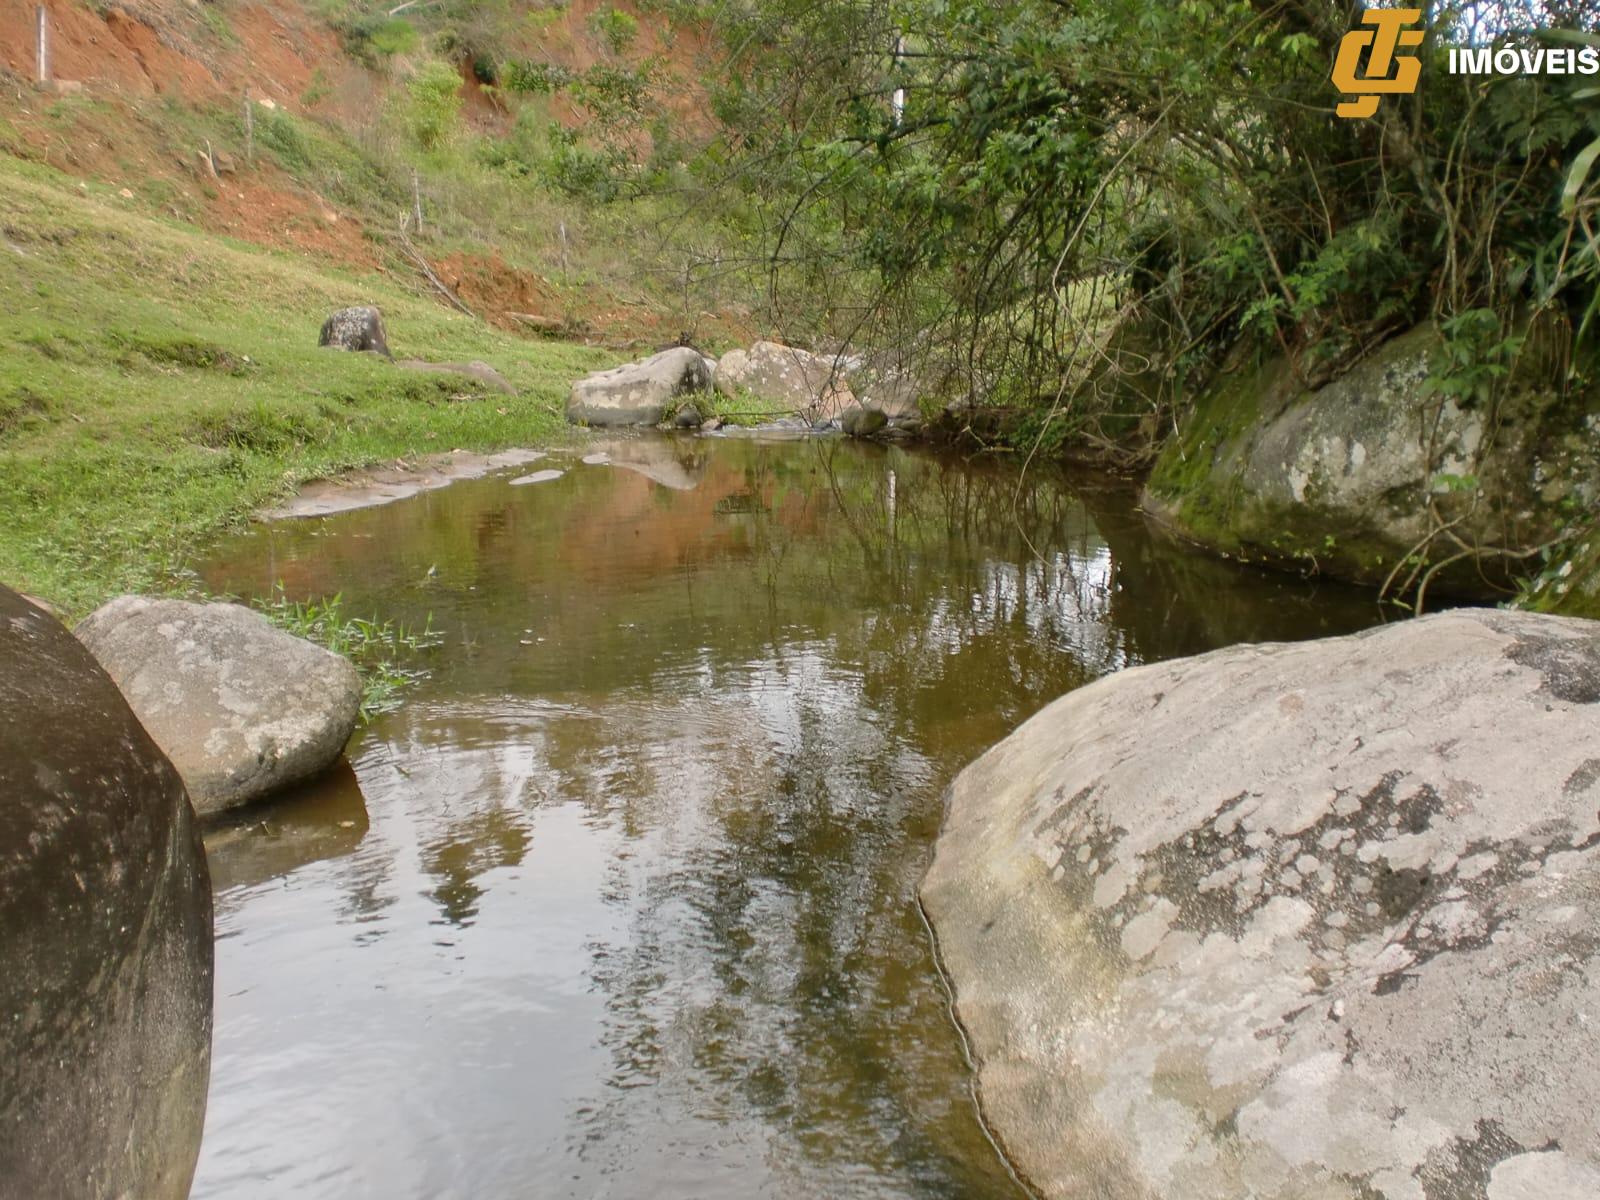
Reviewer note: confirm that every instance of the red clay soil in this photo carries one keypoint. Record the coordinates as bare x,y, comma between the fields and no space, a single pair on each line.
678,52
144,53
494,290
163,48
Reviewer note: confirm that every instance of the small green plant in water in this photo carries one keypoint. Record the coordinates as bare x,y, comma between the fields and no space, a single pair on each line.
377,648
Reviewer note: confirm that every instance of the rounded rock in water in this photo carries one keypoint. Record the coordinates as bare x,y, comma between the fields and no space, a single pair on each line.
105,932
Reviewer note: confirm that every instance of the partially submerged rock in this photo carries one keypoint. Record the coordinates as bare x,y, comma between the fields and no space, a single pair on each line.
1286,921
105,933
482,372
241,708
784,377
549,476
860,422
638,393
356,329
890,383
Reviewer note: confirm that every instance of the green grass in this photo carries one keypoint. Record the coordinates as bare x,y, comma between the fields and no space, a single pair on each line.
157,385
376,647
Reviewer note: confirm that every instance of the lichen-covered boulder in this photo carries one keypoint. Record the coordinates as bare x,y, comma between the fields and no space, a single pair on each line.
894,382
356,329
1287,921
782,376
1353,477
242,708
105,933
638,393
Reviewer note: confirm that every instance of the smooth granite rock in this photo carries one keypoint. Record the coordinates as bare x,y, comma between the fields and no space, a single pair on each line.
1294,921
105,934
242,708
637,393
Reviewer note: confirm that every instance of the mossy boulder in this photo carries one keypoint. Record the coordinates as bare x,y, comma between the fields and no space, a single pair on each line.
1359,475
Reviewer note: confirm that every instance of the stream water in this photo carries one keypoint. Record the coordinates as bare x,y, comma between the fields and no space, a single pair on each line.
621,903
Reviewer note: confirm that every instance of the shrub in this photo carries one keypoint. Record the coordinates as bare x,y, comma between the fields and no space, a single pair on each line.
433,104
614,27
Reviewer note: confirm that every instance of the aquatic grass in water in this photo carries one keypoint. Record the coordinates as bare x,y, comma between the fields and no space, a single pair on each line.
376,647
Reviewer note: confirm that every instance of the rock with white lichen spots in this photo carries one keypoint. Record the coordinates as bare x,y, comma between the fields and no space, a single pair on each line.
638,393
786,377
242,708
355,329
1287,921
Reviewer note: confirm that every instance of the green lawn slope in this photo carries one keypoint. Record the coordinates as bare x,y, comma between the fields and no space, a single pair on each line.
158,384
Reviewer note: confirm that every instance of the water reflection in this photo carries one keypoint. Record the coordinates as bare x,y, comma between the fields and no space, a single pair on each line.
630,910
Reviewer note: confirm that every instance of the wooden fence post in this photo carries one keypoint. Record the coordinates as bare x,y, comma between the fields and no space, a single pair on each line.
249,128
44,45
416,198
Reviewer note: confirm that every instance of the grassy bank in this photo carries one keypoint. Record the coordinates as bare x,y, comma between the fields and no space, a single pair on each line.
158,384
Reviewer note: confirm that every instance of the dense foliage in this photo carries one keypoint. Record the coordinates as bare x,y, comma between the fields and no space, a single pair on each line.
1062,163
1053,196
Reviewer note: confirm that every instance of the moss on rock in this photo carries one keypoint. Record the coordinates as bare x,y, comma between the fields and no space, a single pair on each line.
1353,478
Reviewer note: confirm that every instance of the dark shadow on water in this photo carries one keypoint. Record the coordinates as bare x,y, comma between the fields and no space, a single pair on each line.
323,819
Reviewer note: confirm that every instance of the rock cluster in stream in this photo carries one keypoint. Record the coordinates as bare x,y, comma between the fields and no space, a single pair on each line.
811,392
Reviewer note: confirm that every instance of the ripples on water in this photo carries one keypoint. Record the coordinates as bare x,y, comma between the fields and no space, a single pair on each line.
621,904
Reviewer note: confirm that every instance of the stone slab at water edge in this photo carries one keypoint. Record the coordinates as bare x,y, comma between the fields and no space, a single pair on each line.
1293,921
105,934
638,393
242,708
1376,468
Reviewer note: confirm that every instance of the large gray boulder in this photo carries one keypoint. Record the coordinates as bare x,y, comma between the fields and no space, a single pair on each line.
784,377
1353,477
355,329
1289,921
105,933
242,708
892,382
638,393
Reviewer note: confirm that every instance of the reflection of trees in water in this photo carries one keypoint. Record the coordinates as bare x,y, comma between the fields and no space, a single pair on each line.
780,965
763,684
479,842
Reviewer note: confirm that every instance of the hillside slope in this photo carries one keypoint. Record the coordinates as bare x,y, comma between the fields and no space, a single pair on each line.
157,383
168,259
340,149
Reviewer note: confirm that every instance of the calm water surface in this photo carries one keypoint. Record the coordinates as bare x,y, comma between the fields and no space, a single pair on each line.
621,903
